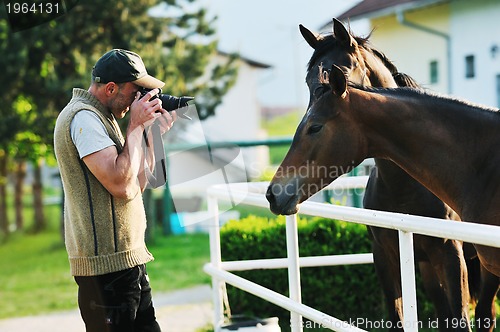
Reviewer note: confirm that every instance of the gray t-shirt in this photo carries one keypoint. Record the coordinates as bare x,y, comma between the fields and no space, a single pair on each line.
89,134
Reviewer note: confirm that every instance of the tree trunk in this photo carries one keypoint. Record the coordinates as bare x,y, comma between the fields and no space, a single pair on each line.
18,194
4,221
40,223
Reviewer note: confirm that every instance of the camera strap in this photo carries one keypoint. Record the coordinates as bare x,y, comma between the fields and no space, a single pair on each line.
158,177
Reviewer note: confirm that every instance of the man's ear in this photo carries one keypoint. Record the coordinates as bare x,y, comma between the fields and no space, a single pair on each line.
338,81
110,88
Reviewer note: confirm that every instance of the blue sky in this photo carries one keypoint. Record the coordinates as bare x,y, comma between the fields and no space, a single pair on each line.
267,31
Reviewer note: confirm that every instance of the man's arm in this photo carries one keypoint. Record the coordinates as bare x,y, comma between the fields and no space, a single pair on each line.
119,173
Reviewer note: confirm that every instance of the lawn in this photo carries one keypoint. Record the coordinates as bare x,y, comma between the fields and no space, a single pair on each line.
35,274
281,126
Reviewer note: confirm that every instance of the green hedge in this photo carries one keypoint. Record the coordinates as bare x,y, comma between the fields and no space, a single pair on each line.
345,292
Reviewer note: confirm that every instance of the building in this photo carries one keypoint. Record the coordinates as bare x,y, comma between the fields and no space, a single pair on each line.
238,118
450,46
208,152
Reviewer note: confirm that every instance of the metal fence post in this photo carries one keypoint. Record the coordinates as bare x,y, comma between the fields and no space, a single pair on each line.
215,259
408,288
292,245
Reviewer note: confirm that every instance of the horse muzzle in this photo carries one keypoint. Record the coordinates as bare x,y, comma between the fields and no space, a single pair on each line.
284,198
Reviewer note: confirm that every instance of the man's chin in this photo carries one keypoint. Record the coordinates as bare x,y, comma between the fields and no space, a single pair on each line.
122,114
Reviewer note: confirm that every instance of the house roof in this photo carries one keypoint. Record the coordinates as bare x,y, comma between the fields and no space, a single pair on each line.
378,8
254,63
249,61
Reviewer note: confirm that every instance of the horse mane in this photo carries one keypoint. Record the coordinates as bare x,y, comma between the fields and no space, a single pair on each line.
419,93
412,90
385,60
404,80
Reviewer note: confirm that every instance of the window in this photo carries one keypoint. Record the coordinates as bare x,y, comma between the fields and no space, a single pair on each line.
498,90
469,66
433,71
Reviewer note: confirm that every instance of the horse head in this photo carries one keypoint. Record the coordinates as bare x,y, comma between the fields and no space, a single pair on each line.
313,161
362,64
327,144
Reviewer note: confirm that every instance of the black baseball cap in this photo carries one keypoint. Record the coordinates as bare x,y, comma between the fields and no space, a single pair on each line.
122,66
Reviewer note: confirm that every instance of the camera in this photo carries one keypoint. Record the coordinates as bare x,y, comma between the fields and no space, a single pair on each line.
171,103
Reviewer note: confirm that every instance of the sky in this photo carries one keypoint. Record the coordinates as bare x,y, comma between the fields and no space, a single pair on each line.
267,31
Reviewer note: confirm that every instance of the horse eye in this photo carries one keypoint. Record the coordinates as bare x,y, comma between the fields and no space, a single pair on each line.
314,129
320,90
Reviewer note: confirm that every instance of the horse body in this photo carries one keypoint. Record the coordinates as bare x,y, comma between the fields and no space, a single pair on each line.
389,188
447,145
438,145
471,171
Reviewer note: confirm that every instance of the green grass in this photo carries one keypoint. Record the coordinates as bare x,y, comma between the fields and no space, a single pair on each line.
35,274
179,261
51,212
284,125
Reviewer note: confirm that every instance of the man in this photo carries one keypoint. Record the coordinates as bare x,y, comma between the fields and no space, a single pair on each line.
103,176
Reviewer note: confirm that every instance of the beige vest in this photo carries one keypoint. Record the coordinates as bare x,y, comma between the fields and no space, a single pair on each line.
103,233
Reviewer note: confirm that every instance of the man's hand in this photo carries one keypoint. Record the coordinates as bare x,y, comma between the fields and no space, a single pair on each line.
144,111
166,120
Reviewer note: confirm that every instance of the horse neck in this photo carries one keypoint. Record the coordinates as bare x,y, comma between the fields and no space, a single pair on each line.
396,180
421,141
379,75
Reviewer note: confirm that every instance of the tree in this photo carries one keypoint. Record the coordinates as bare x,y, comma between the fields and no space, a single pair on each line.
42,64
12,63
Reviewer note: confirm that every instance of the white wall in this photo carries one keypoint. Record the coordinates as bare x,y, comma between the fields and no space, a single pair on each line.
412,50
238,118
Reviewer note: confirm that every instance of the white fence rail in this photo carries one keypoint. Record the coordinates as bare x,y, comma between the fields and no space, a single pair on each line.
253,194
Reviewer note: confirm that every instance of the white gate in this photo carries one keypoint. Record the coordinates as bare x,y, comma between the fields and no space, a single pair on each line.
253,194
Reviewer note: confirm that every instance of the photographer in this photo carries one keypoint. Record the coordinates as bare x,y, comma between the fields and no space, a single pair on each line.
103,175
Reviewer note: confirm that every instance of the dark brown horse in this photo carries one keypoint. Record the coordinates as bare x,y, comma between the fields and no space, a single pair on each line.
449,146
434,139
392,189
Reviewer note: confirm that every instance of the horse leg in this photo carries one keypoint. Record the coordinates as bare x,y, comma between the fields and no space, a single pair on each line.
389,275
485,313
450,267
489,258
435,292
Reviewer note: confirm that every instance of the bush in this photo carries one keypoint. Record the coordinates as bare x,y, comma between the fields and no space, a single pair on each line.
345,292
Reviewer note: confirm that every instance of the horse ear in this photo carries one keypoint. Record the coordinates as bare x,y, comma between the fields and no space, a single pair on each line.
311,38
341,33
338,81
